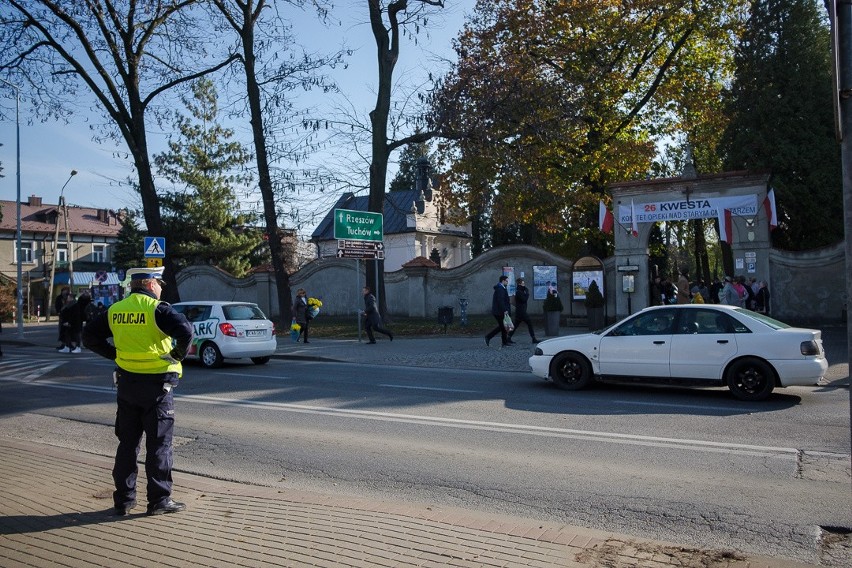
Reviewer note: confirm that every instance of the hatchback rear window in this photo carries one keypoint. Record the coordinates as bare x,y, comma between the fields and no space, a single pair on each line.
242,312
195,313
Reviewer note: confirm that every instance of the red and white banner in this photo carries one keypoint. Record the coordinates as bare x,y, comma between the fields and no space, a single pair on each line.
771,212
605,219
635,224
726,229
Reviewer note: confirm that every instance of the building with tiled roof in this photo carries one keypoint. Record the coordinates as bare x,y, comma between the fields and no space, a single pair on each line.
413,226
93,234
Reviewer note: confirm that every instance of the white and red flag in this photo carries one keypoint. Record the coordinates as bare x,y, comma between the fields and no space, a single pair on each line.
771,212
605,219
635,226
726,229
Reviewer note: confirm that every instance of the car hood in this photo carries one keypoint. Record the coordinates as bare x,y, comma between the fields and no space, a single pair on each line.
578,342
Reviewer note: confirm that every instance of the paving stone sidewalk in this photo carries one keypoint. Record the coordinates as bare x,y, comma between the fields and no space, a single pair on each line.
55,510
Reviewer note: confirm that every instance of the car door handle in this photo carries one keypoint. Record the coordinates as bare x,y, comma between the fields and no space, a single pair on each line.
659,343
721,341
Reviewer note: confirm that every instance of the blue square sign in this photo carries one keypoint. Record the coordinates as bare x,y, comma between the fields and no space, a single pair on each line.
155,247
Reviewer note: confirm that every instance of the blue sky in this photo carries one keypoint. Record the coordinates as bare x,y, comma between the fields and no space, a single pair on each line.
50,151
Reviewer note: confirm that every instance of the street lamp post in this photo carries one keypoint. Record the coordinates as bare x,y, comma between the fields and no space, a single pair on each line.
19,312
61,209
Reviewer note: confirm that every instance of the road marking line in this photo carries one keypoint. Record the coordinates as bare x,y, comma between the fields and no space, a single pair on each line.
520,429
428,388
260,376
689,406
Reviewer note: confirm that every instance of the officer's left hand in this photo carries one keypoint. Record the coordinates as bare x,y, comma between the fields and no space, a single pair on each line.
178,354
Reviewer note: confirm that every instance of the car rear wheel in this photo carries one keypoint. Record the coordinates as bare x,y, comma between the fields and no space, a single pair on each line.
571,371
260,360
751,379
210,356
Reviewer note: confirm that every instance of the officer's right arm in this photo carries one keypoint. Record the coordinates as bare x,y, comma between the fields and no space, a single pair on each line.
95,336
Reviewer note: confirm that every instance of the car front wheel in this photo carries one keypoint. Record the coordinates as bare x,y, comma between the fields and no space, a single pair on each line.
260,360
210,356
571,371
751,379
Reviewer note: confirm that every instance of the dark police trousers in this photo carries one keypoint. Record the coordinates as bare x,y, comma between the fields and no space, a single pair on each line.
143,407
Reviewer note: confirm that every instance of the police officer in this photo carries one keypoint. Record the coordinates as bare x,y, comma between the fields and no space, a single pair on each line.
147,369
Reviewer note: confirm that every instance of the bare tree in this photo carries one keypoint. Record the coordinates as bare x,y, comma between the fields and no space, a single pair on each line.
387,36
125,54
267,83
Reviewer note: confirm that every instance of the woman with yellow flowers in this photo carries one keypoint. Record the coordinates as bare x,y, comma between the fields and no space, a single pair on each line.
300,313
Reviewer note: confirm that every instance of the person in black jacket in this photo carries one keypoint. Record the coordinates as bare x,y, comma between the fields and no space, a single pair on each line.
500,309
63,299
301,314
72,317
522,296
373,320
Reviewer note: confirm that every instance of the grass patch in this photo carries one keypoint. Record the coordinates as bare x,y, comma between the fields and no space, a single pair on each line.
346,327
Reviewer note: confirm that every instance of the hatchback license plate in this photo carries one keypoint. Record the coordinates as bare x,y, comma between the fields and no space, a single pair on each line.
255,332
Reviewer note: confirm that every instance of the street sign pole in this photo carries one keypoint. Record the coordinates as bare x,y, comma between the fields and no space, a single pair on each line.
360,235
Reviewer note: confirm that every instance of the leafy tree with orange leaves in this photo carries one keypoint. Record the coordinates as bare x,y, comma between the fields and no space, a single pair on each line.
551,100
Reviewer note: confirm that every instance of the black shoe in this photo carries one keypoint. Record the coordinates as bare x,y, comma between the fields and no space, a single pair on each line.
306,341
391,336
510,342
371,343
534,340
487,341
169,506
124,510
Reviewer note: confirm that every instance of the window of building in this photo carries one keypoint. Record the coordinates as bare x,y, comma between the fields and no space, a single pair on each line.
61,253
26,252
99,253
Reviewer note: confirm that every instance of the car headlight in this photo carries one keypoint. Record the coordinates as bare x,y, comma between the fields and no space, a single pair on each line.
809,348
538,351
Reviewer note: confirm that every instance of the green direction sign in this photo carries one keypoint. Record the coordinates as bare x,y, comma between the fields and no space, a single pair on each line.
358,225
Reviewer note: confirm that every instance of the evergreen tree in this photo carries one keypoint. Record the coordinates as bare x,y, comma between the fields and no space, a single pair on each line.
128,251
782,120
203,223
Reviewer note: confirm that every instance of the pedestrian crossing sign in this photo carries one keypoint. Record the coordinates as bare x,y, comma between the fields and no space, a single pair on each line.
155,247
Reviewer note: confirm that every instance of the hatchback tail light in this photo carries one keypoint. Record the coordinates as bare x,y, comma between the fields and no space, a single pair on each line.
228,329
809,348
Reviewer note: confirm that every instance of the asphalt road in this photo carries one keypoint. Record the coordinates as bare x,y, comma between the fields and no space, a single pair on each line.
692,466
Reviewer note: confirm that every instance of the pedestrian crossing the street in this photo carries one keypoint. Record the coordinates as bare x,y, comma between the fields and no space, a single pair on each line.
21,368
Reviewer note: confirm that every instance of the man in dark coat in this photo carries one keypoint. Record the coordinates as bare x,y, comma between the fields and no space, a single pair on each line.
522,296
60,302
500,309
373,320
71,318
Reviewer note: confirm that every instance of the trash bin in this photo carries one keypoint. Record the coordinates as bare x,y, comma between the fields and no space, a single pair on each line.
445,316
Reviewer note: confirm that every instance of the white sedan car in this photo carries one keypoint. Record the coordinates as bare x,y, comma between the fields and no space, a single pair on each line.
228,330
699,344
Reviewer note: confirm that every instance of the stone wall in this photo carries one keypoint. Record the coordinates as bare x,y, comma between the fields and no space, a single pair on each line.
807,287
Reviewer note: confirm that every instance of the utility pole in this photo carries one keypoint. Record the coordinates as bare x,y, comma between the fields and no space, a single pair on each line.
69,246
59,210
19,301
840,14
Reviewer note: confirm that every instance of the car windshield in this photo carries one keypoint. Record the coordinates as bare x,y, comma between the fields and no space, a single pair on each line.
242,312
771,322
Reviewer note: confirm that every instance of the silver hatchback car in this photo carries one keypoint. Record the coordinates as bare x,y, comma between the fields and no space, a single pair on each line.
228,330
